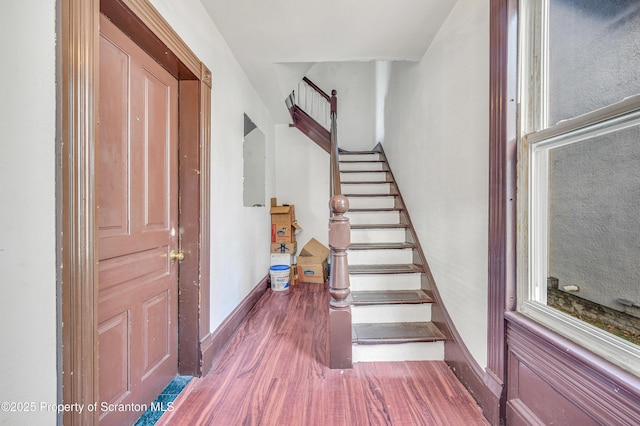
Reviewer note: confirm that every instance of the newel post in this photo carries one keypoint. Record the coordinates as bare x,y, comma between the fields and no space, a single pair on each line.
334,102
339,307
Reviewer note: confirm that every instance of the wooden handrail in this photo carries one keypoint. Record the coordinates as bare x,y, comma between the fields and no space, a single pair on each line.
335,160
316,88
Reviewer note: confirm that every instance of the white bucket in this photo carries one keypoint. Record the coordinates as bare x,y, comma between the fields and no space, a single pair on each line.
279,277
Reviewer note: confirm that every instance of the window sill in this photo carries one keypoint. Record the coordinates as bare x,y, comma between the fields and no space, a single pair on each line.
589,339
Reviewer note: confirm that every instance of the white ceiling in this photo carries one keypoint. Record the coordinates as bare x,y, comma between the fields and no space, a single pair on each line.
278,41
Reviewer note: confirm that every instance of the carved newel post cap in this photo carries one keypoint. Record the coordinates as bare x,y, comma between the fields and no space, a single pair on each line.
339,204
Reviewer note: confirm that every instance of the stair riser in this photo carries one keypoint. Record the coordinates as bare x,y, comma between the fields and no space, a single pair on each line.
361,166
372,257
377,235
368,218
363,177
391,313
366,188
378,282
371,202
360,157
423,351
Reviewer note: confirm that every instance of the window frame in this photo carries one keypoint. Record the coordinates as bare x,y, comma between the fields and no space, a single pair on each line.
535,139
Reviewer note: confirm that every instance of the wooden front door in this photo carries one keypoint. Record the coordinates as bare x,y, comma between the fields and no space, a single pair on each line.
137,177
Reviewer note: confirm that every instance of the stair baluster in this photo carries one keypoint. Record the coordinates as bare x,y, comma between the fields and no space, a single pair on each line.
310,112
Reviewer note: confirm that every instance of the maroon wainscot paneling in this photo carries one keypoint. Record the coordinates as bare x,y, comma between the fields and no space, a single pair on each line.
551,380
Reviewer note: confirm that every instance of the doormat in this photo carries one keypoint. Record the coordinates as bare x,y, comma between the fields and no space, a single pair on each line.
164,401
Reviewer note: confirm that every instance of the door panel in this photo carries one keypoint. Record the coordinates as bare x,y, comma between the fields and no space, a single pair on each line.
156,155
137,221
114,334
136,269
155,312
113,193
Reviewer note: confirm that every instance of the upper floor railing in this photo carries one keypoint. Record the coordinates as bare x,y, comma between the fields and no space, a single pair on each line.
314,102
310,110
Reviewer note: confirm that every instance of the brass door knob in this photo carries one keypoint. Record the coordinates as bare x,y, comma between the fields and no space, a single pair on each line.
179,256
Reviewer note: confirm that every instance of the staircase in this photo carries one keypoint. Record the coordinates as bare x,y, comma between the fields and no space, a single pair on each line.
389,308
391,313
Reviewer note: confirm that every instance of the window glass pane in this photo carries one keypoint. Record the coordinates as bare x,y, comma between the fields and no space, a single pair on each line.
594,231
594,55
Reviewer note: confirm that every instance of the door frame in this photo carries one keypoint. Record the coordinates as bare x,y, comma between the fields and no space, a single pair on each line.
77,136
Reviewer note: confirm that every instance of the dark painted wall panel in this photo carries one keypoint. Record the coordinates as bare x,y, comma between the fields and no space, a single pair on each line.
558,382
543,401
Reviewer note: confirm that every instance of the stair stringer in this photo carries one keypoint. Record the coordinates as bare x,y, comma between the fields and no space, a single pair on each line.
311,128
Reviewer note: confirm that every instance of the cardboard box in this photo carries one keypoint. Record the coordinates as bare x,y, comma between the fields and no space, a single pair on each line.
312,270
315,248
312,263
281,259
290,248
283,223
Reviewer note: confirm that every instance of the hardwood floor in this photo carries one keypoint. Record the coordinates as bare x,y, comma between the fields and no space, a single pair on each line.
274,372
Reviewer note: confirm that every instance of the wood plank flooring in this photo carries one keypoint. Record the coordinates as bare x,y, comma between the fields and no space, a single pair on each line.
274,372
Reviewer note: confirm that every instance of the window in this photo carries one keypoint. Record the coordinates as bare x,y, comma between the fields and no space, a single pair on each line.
579,172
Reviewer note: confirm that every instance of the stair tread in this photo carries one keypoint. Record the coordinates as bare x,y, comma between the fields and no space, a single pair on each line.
366,182
372,195
390,333
358,152
404,268
374,210
379,226
381,246
389,297
363,171
362,161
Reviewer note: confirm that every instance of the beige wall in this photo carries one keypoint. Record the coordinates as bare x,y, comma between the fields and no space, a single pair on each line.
302,178
437,141
27,219
355,85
